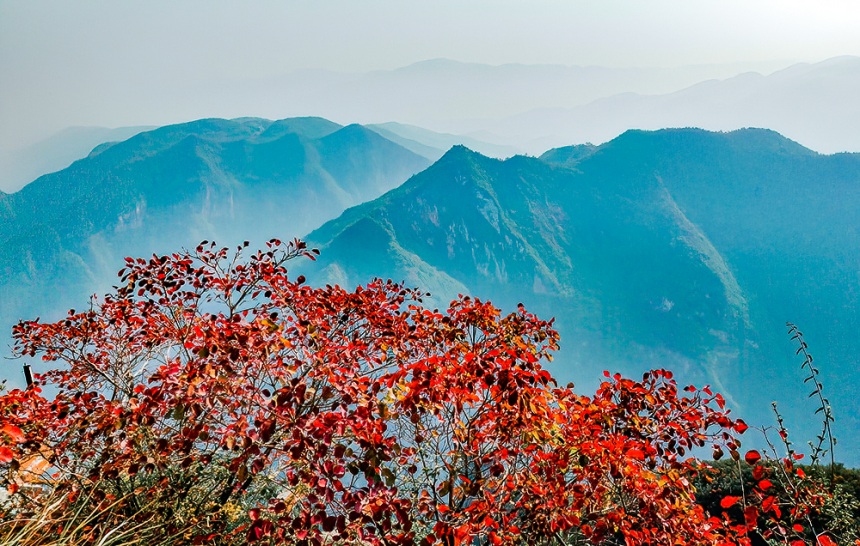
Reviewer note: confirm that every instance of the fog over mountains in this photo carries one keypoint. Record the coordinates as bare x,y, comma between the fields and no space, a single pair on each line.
679,248
815,104
497,110
62,236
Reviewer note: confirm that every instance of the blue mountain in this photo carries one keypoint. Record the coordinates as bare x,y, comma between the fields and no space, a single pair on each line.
63,235
677,248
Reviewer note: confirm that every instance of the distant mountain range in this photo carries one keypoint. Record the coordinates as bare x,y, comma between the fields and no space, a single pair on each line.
496,110
679,248
521,108
64,148
815,104
56,152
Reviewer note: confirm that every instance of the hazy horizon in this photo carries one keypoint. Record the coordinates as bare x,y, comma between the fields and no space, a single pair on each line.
67,64
111,64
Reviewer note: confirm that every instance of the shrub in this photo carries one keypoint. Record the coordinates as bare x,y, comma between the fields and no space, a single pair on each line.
213,399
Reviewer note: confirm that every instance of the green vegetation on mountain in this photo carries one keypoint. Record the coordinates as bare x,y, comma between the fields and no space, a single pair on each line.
681,248
228,179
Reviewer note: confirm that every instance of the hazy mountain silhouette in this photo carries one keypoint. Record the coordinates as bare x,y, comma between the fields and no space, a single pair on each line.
433,145
507,109
815,104
56,152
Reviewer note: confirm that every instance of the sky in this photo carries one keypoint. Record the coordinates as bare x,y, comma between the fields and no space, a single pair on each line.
111,63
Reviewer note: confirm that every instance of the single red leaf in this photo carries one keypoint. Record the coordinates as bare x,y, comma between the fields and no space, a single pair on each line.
751,517
637,454
824,540
729,501
6,454
752,457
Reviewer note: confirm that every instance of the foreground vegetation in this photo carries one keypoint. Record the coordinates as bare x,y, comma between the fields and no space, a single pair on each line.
213,400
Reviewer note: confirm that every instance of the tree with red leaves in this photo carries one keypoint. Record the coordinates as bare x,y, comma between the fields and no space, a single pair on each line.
213,399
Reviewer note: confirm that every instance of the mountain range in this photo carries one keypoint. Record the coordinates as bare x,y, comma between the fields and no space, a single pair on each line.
679,248
510,108
814,104
62,235
682,248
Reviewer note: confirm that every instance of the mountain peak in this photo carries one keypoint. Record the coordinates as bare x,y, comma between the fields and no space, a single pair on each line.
460,152
751,138
353,133
309,127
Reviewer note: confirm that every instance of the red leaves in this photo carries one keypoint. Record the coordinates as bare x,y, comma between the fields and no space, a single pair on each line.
13,432
326,415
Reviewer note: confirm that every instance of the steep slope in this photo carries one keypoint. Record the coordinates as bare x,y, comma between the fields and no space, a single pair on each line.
64,235
679,248
785,221
610,265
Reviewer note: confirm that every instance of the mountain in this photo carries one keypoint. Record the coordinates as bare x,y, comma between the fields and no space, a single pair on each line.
439,94
814,104
683,249
56,152
64,235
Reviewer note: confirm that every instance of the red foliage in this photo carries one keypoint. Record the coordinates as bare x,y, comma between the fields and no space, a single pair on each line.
222,396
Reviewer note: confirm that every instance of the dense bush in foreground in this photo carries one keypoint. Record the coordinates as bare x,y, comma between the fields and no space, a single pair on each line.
212,399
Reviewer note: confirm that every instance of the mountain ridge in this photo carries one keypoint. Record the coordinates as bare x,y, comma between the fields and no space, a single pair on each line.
662,261
176,185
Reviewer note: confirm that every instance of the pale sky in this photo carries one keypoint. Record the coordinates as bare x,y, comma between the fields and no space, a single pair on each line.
65,62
